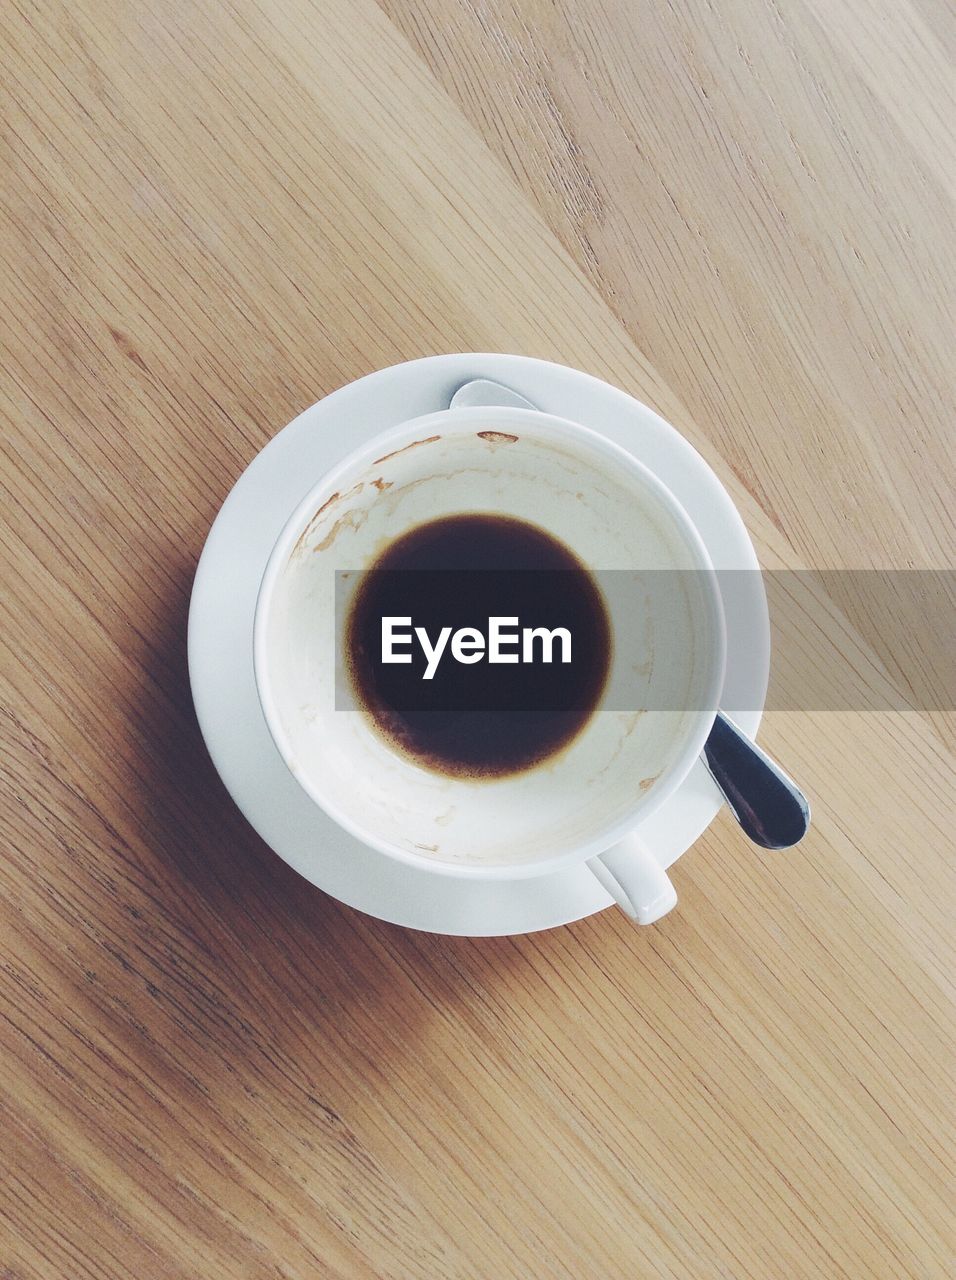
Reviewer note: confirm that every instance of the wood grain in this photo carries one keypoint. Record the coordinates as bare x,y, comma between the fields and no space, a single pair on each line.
212,215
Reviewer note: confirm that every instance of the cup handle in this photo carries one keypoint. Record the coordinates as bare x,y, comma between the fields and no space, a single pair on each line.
635,879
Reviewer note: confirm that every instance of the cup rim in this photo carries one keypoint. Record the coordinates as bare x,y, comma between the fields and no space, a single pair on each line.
646,802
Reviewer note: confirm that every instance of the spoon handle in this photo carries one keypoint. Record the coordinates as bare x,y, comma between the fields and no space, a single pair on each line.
480,393
770,807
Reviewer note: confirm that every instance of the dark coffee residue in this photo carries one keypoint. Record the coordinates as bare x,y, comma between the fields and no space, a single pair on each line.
481,720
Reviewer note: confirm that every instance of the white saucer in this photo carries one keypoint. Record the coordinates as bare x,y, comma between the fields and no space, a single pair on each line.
220,641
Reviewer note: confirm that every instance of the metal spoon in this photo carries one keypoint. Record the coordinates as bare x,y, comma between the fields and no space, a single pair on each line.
770,807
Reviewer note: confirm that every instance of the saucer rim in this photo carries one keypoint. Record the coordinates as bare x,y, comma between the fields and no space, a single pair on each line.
417,906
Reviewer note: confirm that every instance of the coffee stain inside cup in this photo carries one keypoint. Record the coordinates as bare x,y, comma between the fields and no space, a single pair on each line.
474,717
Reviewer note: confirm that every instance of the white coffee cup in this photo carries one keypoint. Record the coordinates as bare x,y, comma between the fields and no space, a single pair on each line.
583,804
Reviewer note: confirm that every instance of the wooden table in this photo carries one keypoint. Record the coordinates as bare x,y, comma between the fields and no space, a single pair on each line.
215,214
